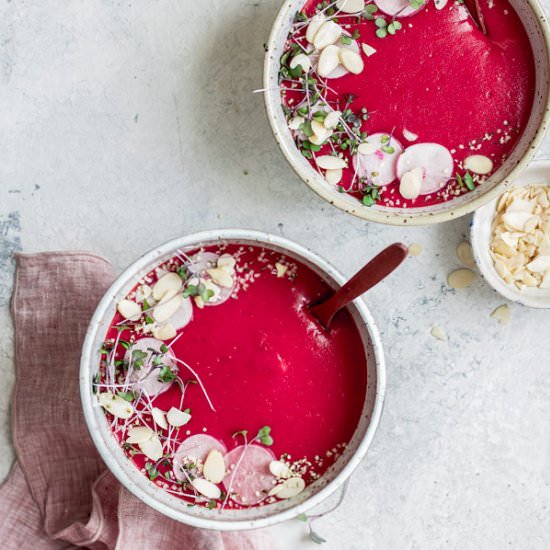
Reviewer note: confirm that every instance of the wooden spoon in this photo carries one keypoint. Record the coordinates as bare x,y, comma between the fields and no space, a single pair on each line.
368,276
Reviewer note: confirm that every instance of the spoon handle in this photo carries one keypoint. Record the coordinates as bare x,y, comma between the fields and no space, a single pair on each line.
368,276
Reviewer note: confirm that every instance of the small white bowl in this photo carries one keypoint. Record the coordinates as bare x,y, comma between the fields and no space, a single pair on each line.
537,173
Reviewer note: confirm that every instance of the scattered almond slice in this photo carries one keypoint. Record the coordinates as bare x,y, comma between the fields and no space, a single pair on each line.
143,293
159,417
221,277
368,50
206,488
131,311
279,469
328,61
351,61
281,270
152,448
116,405
502,314
410,184
541,264
177,418
139,434
461,278
320,132
350,6
465,254
290,488
545,283
214,467
516,220
334,177
170,281
199,302
167,306
332,120
315,24
415,249
329,162
164,332
438,333
301,59
227,262
409,136
328,34
296,122
478,164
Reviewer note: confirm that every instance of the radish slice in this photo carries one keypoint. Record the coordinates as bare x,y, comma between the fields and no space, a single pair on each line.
379,167
195,449
144,378
435,160
340,70
183,315
397,8
252,480
201,261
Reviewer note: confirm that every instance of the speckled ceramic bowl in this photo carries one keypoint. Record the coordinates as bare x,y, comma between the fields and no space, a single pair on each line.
171,506
536,24
537,173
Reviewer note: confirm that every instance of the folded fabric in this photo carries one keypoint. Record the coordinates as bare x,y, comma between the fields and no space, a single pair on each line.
59,494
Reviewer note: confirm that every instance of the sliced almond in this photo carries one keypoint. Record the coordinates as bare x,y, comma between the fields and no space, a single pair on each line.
227,262
501,314
334,177
301,59
465,254
367,148
409,136
129,310
516,220
320,131
415,249
329,33
314,26
541,264
165,309
438,333
177,418
170,281
199,302
410,184
291,487
351,61
221,277
281,270
368,50
206,488
461,278
159,417
143,293
165,331
350,6
116,405
214,467
152,448
478,164
545,283
295,122
332,120
328,61
139,434
329,162
279,469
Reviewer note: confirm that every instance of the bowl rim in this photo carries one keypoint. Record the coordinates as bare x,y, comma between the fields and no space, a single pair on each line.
87,362
492,278
389,217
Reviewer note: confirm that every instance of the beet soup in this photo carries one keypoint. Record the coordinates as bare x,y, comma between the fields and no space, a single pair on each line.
219,384
406,103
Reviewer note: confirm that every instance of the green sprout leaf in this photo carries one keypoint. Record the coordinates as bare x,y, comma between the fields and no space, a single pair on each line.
127,395
166,374
152,471
264,436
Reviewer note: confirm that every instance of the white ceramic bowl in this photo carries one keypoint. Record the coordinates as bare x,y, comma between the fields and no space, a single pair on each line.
537,173
535,22
171,506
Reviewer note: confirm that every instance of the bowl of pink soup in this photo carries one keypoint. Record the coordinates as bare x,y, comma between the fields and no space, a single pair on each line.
212,393
405,111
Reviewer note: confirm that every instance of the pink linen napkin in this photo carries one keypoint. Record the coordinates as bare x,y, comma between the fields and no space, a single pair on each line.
59,494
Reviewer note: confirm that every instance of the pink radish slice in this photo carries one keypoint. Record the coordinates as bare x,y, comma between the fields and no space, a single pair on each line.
195,449
183,315
435,160
201,261
378,167
252,480
397,8
340,70
143,378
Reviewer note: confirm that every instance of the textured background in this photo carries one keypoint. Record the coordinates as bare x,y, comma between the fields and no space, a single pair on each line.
125,124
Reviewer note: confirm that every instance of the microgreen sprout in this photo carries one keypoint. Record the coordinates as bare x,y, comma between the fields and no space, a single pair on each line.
166,374
264,436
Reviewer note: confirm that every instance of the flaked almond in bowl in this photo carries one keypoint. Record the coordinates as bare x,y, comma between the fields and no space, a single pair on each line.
511,239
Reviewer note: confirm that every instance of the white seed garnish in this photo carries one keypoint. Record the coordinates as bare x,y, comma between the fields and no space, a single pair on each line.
461,278
295,122
116,405
170,281
177,418
314,26
415,249
301,59
329,33
214,467
129,310
368,50
465,254
438,333
152,448
227,262
409,136
279,469
328,61
281,270
206,488
502,314
290,487
334,177
165,331
332,120
139,434
329,162
367,148
350,6
167,306
159,417
221,277
351,61
410,183
478,164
